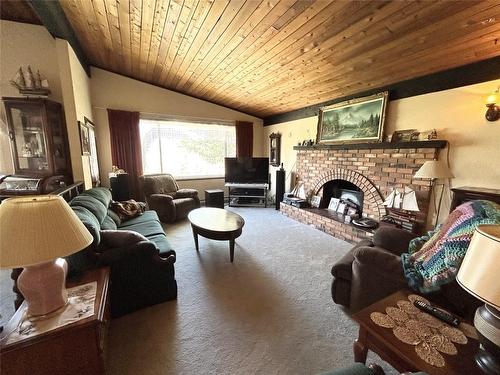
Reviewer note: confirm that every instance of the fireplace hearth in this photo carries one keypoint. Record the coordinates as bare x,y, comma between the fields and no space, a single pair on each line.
368,173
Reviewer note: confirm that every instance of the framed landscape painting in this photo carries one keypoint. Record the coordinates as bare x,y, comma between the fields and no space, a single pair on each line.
356,120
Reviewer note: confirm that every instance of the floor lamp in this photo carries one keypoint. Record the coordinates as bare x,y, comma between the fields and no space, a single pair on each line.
435,170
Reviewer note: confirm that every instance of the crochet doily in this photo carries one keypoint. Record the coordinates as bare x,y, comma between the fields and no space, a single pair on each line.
430,336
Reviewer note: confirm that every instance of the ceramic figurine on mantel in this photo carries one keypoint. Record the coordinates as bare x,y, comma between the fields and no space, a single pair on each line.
29,85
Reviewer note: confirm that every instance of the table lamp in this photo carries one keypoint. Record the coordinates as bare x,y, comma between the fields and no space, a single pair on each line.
478,275
34,232
433,170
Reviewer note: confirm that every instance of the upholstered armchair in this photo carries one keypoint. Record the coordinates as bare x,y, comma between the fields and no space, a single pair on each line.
373,270
164,196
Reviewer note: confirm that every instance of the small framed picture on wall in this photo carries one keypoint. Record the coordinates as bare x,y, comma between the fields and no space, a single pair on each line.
84,138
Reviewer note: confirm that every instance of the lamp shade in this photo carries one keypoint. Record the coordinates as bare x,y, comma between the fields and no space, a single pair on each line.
38,229
478,273
434,169
492,99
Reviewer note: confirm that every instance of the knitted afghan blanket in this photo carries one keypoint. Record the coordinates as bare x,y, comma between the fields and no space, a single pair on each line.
434,260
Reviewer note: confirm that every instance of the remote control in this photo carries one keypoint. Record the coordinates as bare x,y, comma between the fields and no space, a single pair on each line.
440,314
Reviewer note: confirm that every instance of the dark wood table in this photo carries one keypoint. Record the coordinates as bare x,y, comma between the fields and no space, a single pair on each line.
216,224
400,355
77,348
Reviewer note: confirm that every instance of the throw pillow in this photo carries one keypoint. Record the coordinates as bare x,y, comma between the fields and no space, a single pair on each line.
119,238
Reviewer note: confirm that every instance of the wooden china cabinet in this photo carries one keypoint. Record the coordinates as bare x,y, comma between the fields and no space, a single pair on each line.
39,142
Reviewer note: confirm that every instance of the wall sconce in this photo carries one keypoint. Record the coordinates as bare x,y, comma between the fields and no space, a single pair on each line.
493,112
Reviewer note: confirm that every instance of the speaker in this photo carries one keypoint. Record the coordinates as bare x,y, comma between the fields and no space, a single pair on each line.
214,198
280,186
120,187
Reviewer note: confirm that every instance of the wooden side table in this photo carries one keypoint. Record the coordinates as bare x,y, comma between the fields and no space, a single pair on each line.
402,356
77,348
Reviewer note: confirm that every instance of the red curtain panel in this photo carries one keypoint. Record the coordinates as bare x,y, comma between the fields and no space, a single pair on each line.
244,139
126,146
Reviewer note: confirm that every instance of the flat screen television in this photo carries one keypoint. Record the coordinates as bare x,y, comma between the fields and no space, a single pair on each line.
247,170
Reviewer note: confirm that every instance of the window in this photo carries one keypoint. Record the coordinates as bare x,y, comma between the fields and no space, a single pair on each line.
186,149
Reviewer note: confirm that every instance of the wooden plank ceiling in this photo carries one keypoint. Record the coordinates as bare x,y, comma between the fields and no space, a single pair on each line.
274,56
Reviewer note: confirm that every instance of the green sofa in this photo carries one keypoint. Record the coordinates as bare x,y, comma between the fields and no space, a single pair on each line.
137,251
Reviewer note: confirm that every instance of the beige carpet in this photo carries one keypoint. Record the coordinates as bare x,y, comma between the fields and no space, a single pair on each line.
270,312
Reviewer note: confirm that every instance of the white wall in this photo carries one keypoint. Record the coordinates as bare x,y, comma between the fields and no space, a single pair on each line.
456,114
23,44
110,90
75,86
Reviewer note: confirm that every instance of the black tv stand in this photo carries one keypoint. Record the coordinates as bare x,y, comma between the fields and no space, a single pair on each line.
247,195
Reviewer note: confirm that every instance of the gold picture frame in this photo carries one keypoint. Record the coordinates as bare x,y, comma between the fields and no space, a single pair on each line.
353,121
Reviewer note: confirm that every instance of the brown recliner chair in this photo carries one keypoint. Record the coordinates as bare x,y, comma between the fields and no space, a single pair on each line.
164,196
372,270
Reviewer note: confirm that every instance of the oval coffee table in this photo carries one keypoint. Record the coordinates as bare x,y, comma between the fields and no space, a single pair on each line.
216,224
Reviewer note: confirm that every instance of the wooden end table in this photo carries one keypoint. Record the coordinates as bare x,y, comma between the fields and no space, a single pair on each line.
216,224
76,349
402,356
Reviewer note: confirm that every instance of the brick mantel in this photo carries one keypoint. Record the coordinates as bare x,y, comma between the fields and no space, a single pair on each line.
376,145
376,171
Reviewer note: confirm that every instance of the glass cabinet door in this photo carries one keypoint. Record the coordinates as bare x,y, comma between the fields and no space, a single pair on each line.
27,133
59,152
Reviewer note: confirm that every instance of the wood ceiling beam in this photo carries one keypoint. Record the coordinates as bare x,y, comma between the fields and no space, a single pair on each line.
54,19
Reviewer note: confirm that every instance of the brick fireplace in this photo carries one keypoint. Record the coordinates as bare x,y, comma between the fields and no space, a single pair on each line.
371,169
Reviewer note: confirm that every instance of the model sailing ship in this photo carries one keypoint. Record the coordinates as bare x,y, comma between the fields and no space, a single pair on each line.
403,208
29,84
405,200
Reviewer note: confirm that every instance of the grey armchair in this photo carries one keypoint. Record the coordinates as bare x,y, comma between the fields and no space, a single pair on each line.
164,196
